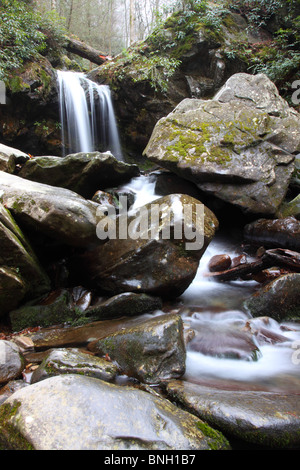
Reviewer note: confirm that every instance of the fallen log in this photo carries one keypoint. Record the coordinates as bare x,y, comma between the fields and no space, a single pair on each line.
271,258
86,52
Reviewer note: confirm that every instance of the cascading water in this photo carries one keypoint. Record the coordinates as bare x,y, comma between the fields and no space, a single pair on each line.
87,116
215,307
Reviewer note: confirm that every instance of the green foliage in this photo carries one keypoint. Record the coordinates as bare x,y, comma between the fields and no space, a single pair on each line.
194,15
278,58
157,70
258,12
25,33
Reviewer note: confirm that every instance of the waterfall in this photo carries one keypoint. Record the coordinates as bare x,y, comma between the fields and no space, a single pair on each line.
87,116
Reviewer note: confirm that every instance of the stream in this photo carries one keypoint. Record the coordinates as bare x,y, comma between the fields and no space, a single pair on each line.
217,307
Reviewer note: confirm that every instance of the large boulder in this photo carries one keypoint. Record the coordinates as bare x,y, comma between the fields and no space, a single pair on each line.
83,173
155,255
152,351
284,233
20,271
263,419
279,299
70,412
58,213
12,361
238,146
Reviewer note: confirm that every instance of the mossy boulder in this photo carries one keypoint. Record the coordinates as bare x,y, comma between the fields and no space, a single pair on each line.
238,147
73,361
55,308
71,412
184,57
83,173
152,351
20,271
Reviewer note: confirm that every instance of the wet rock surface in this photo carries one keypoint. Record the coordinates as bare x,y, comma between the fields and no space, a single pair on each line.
267,419
57,212
283,233
149,261
11,363
117,361
110,417
225,342
73,361
83,173
151,352
21,272
278,299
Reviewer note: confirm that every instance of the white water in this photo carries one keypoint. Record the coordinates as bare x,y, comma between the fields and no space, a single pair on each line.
207,302
87,116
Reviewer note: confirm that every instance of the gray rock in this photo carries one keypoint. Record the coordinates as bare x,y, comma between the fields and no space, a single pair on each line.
155,262
125,304
20,271
74,361
260,418
295,182
9,157
279,299
83,173
225,341
57,212
284,233
238,146
289,209
11,361
10,388
151,351
70,412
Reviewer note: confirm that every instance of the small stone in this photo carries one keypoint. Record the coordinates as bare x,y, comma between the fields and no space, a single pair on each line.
219,263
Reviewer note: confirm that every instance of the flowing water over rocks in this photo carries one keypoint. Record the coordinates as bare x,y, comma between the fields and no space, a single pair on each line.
238,374
210,364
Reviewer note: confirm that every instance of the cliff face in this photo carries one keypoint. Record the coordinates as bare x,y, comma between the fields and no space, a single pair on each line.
30,118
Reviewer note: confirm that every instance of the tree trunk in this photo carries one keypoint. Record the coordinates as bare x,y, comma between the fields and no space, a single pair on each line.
86,52
132,21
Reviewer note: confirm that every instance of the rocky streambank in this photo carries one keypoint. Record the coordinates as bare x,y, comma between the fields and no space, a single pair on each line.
101,346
